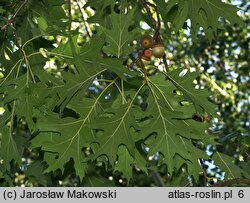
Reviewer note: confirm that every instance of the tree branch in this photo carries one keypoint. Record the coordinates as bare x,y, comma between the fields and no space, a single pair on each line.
70,14
157,179
145,5
84,20
156,26
165,63
236,181
13,18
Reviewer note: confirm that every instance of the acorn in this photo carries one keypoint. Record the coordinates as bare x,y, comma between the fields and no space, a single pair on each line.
144,59
158,50
147,41
147,53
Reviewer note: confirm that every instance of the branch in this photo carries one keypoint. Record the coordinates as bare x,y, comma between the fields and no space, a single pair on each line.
157,179
145,5
157,31
165,63
84,20
156,26
70,14
236,181
13,18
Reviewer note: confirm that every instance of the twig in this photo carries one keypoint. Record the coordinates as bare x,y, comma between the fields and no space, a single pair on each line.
236,181
137,59
70,14
133,62
165,62
84,20
158,28
156,24
158,37
145,5
157,33
247,154
157,179
13,18
204,171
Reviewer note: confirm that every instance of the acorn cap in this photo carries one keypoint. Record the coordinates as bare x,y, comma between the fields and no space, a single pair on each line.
158,50
159,45
147,41
145,58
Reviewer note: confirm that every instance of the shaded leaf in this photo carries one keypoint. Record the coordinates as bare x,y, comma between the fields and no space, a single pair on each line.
199,97
119,36
204,14
226,164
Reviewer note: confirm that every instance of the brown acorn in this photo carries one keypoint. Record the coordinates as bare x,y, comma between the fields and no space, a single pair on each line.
143,61
147,53
158,50
147,41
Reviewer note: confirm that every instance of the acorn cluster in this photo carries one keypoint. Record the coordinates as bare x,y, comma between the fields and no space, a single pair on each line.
151,48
